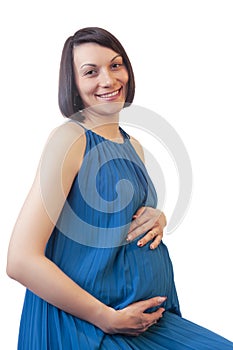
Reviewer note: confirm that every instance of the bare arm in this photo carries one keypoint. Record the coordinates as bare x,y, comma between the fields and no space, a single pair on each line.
27,262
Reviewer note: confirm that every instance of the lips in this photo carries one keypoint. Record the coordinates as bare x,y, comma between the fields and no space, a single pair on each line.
110,95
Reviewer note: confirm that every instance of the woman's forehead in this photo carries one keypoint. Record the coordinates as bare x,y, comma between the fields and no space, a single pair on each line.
93,53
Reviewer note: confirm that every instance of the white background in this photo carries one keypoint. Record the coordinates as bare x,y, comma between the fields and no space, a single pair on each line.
182,56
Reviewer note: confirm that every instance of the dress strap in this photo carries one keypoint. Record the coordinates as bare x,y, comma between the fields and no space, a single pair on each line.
124,133
80,125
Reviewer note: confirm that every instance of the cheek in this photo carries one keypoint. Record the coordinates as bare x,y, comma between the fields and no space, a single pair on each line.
125,80
84,88
77,84
125,77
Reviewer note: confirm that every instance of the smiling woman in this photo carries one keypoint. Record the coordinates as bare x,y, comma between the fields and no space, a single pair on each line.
70,101
89,284
101,81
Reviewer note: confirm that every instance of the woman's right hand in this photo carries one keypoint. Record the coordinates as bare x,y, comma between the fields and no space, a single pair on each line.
132,320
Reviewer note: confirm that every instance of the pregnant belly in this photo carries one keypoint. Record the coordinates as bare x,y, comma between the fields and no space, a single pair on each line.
117,276
133,274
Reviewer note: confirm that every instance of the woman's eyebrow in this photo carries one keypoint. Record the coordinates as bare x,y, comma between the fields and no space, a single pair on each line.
115,57
87,64
94,65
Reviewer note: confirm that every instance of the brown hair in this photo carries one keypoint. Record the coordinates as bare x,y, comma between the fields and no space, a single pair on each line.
68,98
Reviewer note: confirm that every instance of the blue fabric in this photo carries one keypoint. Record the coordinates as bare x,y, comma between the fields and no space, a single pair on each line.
89,245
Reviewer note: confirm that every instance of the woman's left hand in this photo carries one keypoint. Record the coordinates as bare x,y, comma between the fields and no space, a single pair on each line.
149,220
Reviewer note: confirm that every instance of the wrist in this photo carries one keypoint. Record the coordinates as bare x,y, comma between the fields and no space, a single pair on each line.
164,219
104,319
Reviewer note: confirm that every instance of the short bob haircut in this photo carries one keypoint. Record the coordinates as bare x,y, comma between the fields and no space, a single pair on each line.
68,97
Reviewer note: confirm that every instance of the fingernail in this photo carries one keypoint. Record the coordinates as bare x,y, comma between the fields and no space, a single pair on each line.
128,238
152,246
161,299
162,311
139,244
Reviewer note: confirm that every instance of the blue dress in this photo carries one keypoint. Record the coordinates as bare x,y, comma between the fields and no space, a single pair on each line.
89,245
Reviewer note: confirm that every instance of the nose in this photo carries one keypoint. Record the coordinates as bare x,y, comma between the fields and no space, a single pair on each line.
106,78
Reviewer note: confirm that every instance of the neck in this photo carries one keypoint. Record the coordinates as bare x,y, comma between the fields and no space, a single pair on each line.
105,125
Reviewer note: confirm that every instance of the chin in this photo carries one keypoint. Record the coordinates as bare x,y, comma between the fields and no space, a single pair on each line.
109,108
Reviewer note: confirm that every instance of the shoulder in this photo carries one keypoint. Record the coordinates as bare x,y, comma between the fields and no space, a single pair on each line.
138,147
66,136
67,132
65,145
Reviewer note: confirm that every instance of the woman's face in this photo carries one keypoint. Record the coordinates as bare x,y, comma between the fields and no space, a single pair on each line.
101,77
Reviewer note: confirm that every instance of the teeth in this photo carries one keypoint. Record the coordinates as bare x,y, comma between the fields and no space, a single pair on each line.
110,95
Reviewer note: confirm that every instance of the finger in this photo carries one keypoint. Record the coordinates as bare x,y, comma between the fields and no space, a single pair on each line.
138,221
156,242
139,211
154,317
140,225
142,216
139,228
156,234
143,223
147,304
158,314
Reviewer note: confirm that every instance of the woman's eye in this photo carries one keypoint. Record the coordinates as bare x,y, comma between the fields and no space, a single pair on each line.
116,65
90,72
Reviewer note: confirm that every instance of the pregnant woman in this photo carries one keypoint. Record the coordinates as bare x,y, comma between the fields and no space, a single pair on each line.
88,286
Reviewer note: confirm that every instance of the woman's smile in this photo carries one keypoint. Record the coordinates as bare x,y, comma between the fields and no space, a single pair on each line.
110,96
